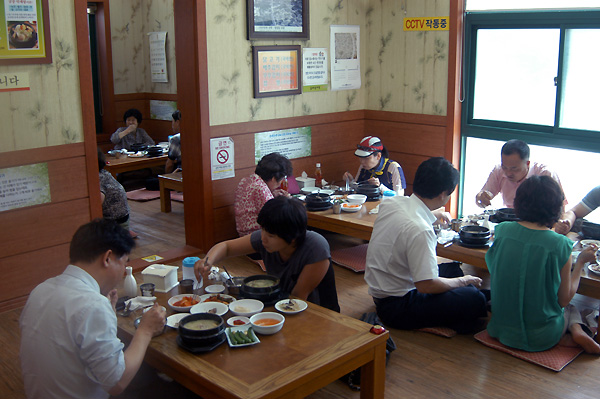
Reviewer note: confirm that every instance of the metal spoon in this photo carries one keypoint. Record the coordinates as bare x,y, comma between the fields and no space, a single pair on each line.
127,311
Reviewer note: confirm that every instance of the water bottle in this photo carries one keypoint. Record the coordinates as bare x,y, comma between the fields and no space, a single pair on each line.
129,284
188,268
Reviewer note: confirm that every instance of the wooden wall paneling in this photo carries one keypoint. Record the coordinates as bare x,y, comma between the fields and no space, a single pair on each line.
68,179
87,109
123,102
23,272
32,228
225,228
42,154
410,138
192,85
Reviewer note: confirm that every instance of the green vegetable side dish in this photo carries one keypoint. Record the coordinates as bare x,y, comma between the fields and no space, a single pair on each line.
241,337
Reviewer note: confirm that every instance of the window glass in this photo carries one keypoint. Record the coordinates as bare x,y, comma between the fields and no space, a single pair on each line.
579,107
482,155
514,75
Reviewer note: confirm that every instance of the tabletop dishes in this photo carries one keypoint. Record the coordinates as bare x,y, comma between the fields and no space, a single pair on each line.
174,319
182,302
237,321
291,306
263,287
594,268
309,190
267,323
357,198
241,336
201,332
233,285
317,202
587,243
217,308
215,289
223,298
347,207
246,307
474,235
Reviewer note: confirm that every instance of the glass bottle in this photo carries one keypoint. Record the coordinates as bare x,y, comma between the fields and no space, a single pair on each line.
318,176
129,284
284,184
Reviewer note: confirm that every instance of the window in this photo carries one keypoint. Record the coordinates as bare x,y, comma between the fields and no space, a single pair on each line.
531,75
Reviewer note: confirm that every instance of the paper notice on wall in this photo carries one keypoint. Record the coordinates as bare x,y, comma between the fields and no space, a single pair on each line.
293,143
23,186
222,155
314,69
158,56
345,57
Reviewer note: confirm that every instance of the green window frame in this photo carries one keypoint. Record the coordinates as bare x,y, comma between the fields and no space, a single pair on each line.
553,136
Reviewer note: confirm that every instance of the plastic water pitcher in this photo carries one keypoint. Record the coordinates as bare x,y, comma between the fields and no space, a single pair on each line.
188,268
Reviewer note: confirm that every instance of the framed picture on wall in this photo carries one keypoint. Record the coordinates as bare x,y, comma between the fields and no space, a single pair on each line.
25,32
276,19
277,71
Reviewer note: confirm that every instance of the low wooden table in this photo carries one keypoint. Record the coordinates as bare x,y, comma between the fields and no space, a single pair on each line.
126,164
314,348
172,181
360,225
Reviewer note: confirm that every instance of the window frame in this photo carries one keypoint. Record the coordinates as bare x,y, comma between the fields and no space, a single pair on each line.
553,136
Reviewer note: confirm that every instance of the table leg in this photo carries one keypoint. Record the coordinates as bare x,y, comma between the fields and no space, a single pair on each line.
372,376
165,197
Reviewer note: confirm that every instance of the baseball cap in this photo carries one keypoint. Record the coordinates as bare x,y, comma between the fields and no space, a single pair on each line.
367,146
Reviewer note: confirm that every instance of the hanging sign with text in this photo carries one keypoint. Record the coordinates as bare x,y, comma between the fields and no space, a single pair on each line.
23,186
222,155
292,143
426,23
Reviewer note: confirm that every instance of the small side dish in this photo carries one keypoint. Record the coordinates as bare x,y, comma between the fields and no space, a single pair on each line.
241,336
291,306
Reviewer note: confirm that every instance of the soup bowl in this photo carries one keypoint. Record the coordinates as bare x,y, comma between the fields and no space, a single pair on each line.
201,329
267,323
263,287
246,307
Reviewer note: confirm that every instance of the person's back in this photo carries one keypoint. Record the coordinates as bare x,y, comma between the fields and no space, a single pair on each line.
524,267
66,325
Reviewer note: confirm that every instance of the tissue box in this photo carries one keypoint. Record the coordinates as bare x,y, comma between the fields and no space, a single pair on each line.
305,182
164,277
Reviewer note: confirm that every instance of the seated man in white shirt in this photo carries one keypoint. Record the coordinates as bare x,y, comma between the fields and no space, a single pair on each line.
408,288
69,344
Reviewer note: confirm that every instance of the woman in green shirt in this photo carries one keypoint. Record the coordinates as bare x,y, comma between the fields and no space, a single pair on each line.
531,278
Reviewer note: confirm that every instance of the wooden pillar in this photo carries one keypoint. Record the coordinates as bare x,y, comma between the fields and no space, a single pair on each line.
192,92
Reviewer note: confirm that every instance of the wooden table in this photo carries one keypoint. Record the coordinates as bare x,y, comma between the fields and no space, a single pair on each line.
171,181
314,348
119,165
360,225
356,224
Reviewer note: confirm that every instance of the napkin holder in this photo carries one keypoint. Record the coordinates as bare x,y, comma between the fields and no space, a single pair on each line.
164,277
305,182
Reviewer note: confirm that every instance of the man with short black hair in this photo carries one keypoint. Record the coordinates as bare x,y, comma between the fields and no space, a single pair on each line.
505,178
69,344
409,289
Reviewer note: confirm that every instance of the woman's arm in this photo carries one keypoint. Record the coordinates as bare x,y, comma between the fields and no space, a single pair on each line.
310,277
222,250
569,279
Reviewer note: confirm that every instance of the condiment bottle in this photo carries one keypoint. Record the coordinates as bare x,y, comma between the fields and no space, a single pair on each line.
129,284
284,184
318,176
188,268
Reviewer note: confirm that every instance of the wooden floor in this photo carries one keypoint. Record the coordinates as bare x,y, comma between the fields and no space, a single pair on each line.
423,366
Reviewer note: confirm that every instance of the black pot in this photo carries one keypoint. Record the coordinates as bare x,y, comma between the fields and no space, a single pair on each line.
506,215
263,294
200,335
367,189
317,198
590,230
29,43
474,235
138,147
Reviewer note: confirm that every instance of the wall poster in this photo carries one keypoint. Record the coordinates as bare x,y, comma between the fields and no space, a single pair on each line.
23,186
24,32
293,143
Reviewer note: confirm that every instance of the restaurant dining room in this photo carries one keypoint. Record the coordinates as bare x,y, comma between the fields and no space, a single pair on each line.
110,104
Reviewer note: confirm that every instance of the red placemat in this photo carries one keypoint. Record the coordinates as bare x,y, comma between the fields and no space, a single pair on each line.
353,258
555,358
